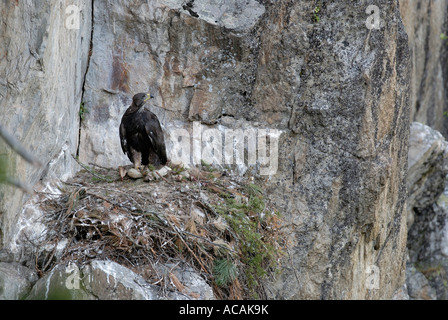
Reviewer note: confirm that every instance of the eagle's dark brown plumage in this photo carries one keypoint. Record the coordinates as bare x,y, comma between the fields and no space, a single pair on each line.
141,135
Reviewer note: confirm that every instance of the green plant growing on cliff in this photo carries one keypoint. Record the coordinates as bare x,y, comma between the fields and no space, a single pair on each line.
207,166
176,170
443,37
82,111
315,13
224,271
258,249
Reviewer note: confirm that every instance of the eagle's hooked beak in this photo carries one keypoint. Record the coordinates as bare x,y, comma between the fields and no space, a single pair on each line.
148,96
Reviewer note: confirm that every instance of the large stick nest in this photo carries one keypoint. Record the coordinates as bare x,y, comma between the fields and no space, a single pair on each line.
217,224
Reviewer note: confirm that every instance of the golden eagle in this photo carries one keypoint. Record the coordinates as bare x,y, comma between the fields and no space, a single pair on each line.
141,135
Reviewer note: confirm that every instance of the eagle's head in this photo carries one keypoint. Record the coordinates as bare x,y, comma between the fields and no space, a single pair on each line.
141,98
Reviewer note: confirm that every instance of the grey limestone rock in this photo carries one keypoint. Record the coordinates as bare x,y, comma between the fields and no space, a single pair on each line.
108,280
42,66
428,167
336,91
426,23
418,285
15,280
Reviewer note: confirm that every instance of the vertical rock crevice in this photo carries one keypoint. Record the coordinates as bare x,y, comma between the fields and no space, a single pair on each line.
82,109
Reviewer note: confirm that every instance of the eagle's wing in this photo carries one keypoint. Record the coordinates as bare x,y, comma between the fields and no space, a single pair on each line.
124,142
155,134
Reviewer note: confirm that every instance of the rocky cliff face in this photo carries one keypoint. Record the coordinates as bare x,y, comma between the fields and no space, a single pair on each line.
426,271
428,167
336,91
346,208
43,59
426,23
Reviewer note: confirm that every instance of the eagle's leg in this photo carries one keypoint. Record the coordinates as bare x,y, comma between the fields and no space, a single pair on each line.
153,160
137,158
